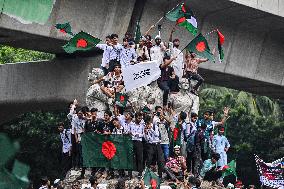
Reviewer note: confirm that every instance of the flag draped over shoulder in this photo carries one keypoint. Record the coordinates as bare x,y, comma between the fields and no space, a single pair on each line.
271,174
151,179
230,169
142,74
184,18
221,40
121,99
111,151
82,41
199,46
64,28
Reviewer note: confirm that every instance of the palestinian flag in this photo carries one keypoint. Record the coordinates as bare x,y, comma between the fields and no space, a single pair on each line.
199,46
137,33
121,99
111,151
64,28
81,42
183,18
229,169
221,40
151,179
176,135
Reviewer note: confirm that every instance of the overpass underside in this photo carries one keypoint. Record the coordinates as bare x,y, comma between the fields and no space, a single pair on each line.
254,48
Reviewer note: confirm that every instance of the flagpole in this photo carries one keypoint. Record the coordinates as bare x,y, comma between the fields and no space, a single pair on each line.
166,14
210,32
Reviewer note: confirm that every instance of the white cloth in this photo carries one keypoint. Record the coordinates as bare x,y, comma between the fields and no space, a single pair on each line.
115,52
220,142
137,131
138,75
178,63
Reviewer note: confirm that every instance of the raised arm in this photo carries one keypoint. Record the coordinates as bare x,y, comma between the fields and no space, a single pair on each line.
148,31
167,62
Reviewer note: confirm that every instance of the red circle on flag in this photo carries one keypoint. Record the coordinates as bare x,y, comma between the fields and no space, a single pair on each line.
108,150
200,47
153,183
62,31
82,43
122,98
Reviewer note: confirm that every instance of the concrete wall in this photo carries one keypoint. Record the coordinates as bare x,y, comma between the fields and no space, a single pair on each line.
272,6
49,85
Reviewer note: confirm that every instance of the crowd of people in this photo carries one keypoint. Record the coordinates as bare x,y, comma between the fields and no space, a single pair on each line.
175,144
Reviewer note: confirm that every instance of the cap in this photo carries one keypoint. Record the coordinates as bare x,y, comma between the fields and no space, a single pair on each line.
158,37
177,147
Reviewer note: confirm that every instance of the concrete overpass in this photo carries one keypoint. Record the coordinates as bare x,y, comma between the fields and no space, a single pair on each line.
253,49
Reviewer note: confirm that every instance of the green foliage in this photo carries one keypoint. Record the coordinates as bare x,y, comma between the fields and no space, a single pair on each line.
255,126
13,55
40,142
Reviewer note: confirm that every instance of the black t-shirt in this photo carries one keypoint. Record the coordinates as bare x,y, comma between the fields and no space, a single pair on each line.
105,126
166,72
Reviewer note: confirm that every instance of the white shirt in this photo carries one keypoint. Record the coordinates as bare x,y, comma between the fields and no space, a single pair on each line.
106,55
178,63
137,131
127,55
156,53
65,136
115,52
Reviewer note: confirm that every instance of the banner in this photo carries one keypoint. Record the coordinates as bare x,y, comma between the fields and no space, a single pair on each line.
111,151
271,174
141,74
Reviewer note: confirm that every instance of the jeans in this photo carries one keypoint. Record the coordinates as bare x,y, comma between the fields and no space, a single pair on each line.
195,76
166,150
164,86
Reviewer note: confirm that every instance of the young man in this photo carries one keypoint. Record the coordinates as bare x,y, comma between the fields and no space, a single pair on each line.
176,166
107,125
154,150
221,145
175,52
66,161
113,82
209,171
164,129
190,146
191,67
128,55
137,133
179,132
142,50
106,58
115,52
158,50
198,149
163,81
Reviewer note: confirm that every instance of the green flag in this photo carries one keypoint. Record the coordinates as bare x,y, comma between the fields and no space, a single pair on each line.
121,99
229,169
111,151
64,28
184,18
151,179
199,46
81,42
176,135
221,40
137,33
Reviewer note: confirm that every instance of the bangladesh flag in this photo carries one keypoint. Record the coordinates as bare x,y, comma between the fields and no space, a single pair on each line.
81,42
111,151
199,46
151,179
177,135
121,99
184,18
64,28
221,40
229,169
137,33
